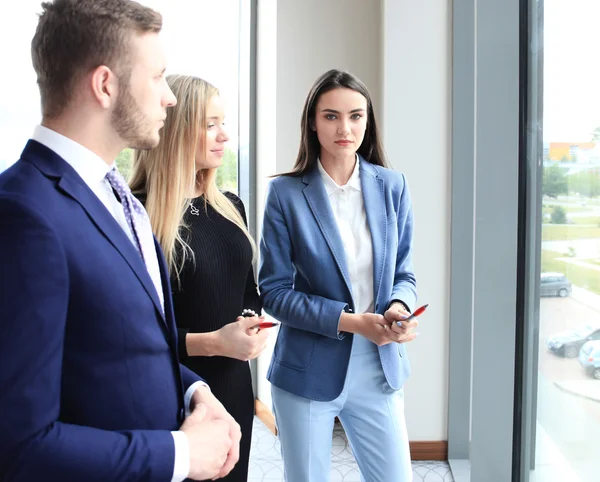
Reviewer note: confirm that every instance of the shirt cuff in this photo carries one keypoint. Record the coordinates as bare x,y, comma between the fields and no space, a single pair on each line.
341,334
188,395
398,301
182,457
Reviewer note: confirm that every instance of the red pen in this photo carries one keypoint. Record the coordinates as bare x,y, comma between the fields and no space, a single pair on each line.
263,324
417,312
266,324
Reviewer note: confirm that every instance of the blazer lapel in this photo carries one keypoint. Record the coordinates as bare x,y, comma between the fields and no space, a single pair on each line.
71,184
374,201
166,284
318,201
105,222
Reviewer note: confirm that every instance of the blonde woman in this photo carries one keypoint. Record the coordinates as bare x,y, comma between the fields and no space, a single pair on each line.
208,249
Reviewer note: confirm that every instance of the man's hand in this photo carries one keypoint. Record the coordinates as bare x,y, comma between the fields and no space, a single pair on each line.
216,411
209,442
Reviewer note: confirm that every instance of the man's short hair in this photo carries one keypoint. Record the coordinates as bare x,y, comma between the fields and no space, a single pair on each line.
73,37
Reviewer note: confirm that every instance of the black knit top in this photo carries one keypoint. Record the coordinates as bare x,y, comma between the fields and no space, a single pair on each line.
216,286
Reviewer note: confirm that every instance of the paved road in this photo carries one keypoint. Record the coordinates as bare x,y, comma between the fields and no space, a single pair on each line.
584,248
572,422
558,315
572,201
589,210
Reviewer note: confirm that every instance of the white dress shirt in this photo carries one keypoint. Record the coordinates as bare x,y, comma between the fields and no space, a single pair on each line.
348,209
92,169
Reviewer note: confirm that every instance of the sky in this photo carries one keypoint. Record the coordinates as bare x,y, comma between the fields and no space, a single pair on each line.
571,69
201,38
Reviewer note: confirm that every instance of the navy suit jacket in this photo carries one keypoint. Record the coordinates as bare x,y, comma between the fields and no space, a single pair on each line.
91,385
304,280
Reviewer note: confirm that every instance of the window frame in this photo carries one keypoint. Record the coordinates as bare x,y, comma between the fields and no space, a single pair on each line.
485,308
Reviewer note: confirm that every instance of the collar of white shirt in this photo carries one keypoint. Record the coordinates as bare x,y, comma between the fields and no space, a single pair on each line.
332,187
90,167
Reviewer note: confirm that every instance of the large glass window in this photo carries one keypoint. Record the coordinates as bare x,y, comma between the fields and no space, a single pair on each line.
561,388
20,102
201,38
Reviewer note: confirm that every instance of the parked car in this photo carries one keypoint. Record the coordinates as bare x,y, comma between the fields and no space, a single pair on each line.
554,284
589,358
569,343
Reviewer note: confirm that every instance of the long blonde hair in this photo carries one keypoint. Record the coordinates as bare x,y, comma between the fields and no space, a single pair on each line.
167,174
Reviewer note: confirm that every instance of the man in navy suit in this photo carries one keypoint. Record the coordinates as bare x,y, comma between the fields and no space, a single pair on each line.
91,388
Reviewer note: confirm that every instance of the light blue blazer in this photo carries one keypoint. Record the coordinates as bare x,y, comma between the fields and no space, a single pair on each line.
304,280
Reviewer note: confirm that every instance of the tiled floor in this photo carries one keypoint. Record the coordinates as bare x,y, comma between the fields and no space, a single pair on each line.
266,464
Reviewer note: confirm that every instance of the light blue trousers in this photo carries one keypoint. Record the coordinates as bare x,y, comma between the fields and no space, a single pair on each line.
371,413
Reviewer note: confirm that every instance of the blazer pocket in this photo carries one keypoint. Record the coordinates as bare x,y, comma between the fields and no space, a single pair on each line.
295,348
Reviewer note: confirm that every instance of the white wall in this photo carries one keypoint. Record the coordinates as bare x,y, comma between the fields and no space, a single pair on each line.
297,42
416,131
313,37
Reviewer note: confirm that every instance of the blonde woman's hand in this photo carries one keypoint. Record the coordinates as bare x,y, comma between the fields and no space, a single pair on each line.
241,340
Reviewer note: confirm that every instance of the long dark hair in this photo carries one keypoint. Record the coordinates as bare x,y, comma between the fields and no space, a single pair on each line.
370,149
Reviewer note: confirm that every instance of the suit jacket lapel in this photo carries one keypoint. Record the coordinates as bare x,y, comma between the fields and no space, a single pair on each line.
318,201
105,222
166,284
71,184
374,201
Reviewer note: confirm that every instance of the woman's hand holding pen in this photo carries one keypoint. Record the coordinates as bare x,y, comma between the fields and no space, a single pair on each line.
400,332
382,329
241,339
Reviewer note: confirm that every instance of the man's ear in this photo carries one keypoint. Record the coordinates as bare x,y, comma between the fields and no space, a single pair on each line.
104,86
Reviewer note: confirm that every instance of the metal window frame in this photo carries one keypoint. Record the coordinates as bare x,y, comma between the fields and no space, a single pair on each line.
247,123
247,110
530,236
486,130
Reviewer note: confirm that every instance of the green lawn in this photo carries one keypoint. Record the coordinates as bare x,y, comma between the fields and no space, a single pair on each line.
568,209
568,232
587,278
595,220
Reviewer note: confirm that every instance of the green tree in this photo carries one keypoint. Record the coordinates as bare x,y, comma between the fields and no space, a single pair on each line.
559,215
585,183
554,181
227,174
124,163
